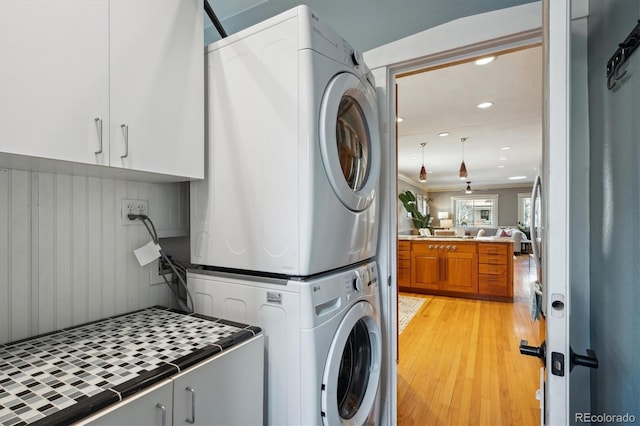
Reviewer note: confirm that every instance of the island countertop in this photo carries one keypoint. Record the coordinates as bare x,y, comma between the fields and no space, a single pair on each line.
456,239
66,375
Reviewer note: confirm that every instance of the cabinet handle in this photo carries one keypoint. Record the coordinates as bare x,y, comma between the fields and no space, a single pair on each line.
125,131
164,413
193,404
430,246
98,121
455,247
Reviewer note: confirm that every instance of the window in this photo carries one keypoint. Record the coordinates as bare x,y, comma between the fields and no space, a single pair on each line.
524,209
477,211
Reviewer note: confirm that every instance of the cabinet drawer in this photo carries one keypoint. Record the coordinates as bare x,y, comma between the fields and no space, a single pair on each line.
404,255
404,245
485,248
492,269
492,259
493,285
404,263
404,277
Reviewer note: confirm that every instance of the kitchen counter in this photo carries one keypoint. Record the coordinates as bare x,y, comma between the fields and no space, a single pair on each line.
450,239
64,376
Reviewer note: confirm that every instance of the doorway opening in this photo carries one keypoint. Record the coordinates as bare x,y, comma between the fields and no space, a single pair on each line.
458,359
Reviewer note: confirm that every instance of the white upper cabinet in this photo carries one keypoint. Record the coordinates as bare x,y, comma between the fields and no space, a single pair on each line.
116,83
157,86
54,79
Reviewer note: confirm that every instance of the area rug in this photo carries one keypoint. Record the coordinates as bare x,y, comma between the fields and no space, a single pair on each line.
408,307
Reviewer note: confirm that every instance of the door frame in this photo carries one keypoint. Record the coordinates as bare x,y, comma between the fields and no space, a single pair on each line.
461,39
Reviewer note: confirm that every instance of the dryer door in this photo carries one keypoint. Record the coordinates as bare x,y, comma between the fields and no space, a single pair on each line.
352,372
350,140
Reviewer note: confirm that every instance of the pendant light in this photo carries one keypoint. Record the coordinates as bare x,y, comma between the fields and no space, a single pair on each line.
423,169
462,174
468,190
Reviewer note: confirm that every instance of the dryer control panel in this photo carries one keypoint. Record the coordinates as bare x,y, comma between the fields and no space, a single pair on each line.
333,293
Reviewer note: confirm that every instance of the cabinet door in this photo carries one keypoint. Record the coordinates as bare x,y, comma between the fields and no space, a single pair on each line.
54,79
226,390
150,407
157,86
425,270
460,272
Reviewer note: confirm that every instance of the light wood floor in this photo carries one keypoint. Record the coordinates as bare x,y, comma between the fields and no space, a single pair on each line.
460,365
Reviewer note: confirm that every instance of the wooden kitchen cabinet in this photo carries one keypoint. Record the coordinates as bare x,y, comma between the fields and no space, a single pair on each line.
404,263
116,83
475,269
444,266
495,270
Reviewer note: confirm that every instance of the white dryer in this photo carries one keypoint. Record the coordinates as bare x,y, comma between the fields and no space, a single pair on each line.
293,155
322,336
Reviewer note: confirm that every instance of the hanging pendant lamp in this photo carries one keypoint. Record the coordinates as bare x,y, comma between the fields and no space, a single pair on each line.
468,190
423,169
463,168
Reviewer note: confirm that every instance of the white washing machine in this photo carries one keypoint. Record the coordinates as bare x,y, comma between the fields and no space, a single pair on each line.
322,336
293,155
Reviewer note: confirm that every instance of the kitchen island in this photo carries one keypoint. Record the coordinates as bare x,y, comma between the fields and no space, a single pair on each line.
460,267
96,372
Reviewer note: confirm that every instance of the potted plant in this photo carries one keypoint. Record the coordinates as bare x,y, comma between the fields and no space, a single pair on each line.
410,204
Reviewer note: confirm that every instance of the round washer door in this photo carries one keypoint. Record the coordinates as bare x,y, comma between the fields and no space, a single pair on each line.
350,140
352,371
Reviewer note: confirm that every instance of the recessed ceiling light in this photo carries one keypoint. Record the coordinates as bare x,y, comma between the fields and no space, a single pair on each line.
443,134
484,105
430,171
501,167
413,157
399,119
505,148
516,177
503,158
485,61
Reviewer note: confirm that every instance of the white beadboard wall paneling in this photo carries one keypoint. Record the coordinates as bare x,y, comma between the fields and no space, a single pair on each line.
5,226
120,250
20,254
45,242
79,249
110,215
66,258
62,235
94,249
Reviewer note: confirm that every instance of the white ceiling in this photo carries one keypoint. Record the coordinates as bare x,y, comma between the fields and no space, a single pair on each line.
446,99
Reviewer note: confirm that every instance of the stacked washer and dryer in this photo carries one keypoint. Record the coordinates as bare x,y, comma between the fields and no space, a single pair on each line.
285,223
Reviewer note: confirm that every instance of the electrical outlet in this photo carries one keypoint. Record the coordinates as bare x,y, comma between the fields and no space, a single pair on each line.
133,207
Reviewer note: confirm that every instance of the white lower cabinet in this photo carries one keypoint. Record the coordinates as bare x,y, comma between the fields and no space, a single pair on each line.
227,389
150,407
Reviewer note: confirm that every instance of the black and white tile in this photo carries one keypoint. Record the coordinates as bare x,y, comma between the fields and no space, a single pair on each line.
46,375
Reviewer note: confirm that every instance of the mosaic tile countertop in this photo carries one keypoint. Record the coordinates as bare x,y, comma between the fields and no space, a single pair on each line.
64,376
